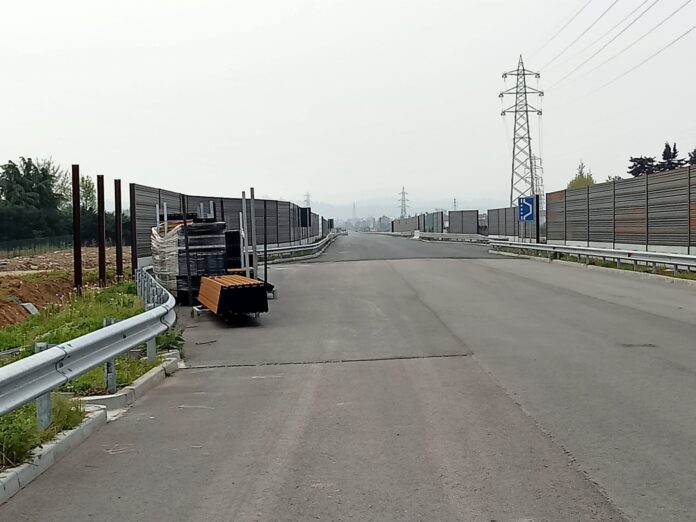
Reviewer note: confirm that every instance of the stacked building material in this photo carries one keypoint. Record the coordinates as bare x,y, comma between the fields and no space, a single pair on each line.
206,246
233,295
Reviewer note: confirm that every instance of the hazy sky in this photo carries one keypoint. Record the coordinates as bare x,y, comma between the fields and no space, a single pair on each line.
348,100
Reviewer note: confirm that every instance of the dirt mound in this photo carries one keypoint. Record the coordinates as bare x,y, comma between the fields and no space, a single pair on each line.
40,289
62,260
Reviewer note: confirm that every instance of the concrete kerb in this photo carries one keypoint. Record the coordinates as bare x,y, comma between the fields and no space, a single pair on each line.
129,394
645,276
15,479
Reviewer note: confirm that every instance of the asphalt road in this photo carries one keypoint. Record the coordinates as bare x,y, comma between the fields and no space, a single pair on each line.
459,388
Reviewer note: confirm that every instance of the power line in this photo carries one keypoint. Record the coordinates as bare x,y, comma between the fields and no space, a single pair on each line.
608,43
609,31
562,28
581,34
670,44
639,39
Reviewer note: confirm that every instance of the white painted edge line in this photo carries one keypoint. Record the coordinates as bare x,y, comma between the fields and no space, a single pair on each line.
15,479
645,276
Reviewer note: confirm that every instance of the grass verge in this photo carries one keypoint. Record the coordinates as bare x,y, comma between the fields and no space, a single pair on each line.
20,432
73,317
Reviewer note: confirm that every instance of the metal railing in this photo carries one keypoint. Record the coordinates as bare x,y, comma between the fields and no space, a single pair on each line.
35,376
636,257
444,236
305,250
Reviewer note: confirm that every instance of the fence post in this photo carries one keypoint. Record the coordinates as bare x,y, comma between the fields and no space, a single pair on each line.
688,216
119,230
565,217
43,402
613,217
110,366
77,240
647,215
537,218
588,216
101,241
134,232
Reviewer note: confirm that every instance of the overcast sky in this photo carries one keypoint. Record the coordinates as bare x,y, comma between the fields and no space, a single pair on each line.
348,100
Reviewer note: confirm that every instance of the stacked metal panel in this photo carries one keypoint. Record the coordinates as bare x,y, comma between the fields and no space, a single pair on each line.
668,208
494,222
463,221
555,216
576,214
601,208
630,212
284,222
511,221
206,255
146,201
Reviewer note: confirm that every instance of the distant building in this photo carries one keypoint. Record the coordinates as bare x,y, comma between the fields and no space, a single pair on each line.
384,224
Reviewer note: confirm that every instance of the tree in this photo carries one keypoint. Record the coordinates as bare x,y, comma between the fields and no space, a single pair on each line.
677,162
614,178
88,194
670,159
692,157
641,165
581,179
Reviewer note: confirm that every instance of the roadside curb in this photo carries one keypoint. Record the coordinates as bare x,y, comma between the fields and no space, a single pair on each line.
645,276
12,481
122,399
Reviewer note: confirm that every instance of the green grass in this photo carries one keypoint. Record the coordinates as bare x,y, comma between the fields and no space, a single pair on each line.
77,316
74,317
128,369
20,433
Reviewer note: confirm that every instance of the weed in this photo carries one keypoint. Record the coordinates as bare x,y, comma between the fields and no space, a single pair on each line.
20,433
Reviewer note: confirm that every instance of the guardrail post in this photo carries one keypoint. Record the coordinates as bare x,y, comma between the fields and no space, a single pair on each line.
110,367
151,349
43,402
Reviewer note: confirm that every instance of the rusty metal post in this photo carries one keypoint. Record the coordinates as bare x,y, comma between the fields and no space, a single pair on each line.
119,230
101,239
77,237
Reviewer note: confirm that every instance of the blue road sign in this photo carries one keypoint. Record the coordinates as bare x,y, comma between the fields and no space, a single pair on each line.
525,207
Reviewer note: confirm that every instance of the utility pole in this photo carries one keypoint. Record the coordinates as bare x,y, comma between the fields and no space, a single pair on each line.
403,201
454,204
307,200
354,210
523,180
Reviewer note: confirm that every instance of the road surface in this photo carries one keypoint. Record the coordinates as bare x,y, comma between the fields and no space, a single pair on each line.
431,382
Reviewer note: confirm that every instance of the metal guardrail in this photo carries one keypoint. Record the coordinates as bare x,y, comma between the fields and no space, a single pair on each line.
462,238
310,249
634,256
29,378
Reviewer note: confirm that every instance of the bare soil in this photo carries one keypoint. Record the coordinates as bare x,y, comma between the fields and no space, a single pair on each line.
43,279
61,260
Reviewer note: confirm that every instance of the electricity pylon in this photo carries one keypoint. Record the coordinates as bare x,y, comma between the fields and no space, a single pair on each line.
523,180
307,200
403,201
